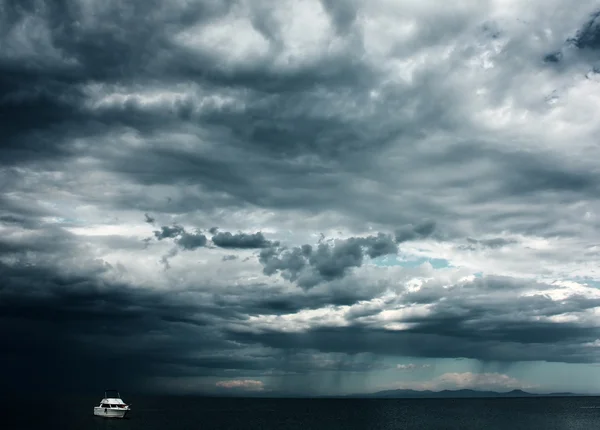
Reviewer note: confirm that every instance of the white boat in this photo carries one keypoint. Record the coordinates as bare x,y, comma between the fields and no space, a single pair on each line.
112,406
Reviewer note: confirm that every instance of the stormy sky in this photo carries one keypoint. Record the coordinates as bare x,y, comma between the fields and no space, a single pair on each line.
301,196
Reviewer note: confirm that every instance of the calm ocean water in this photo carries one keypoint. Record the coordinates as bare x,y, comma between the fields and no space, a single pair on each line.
175,413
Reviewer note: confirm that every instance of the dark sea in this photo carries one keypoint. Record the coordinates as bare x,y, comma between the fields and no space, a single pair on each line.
178,413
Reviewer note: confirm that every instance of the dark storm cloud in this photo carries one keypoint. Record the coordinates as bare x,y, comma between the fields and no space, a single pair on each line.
191,241
241,240
225,239
586,40
185,240
66,328
309,266
417,343
280,301
463,324
553,57
75,314
532,174
24,212
76,52
149,219
169,232
420,231
31,110
380,245
18,220
281,106
284,125
104,110
53,50
588,37
50,239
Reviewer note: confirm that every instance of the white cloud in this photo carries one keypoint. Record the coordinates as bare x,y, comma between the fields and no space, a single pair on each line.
242,384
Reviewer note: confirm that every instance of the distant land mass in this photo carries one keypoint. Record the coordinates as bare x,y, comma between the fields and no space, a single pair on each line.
464,393
405,394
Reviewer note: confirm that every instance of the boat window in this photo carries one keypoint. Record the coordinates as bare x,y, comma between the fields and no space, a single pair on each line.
104,405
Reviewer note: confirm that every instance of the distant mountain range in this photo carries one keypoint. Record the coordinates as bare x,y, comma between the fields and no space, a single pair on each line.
414,394
406,394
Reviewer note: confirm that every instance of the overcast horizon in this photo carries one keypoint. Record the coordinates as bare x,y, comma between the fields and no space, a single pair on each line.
306,196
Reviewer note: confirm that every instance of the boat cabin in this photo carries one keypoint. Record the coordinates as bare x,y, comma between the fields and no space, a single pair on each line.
112,399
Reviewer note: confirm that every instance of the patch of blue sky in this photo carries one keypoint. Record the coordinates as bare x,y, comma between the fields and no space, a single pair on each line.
584,280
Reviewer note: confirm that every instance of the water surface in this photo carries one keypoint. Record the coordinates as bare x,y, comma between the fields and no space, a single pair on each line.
178,413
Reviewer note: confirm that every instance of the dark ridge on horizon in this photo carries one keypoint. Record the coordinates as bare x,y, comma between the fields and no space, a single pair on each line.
390,394
463,393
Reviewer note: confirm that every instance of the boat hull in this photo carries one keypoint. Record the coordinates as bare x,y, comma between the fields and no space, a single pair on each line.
110,412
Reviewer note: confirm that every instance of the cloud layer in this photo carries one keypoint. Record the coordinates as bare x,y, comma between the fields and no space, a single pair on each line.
282,195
